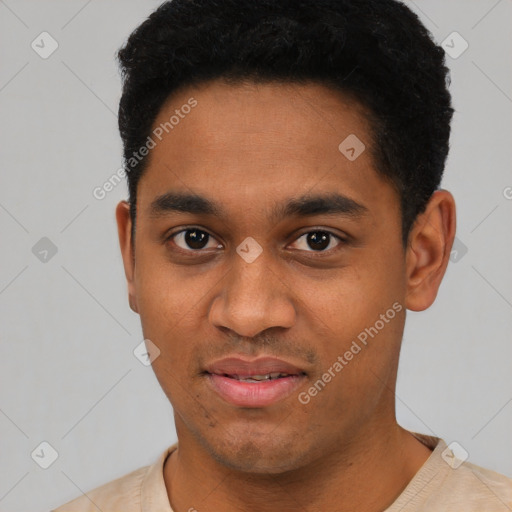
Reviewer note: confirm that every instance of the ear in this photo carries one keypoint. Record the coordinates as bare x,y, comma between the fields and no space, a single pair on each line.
124,229
428,250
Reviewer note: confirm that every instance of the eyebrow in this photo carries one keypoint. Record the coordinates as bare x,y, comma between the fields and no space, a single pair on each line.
303,206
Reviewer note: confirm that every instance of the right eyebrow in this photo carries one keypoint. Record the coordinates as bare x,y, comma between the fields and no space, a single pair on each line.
185,203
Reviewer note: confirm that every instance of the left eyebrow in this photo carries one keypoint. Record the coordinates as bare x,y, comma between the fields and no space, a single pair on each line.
303,206
309,205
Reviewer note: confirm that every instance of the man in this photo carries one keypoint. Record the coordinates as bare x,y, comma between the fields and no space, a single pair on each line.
284,161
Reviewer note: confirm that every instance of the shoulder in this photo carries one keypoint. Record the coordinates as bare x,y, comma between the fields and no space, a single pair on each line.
142,489
477,488
446,482
124,494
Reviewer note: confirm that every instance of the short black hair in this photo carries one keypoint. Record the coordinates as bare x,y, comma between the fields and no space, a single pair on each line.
375,51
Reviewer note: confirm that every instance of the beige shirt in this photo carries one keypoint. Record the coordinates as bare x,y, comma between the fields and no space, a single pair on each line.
443,483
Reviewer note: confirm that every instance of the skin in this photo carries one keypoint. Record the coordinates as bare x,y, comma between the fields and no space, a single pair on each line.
250,147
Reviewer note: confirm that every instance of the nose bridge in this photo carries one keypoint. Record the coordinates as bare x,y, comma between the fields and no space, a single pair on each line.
251,280
253,298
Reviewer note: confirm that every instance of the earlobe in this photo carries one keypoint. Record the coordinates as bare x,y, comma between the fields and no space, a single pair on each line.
124,228
428,250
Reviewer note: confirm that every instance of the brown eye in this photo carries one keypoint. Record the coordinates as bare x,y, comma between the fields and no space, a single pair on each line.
318,241
192,239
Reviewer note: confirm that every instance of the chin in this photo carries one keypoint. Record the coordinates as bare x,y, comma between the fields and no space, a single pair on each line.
263,454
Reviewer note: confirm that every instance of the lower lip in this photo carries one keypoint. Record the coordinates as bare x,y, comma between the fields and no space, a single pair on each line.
254,394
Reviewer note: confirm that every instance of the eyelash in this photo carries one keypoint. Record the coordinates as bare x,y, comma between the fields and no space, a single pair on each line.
340,239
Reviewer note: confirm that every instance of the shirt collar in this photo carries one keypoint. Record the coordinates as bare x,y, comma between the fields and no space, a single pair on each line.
153,493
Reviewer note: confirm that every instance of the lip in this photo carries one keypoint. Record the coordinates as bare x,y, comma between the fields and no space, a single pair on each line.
220,376
245,367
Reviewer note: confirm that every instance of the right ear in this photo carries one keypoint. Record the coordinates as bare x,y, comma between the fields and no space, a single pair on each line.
124,229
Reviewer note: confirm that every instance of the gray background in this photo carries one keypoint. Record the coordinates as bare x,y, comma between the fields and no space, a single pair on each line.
67,369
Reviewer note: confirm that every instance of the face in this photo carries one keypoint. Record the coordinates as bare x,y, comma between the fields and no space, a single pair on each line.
290,250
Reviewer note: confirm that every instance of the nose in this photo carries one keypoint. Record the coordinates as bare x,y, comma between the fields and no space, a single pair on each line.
253,297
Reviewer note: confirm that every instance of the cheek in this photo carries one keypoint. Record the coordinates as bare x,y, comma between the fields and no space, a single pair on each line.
166,314
352,299
163,301
174,367
355,376
360,318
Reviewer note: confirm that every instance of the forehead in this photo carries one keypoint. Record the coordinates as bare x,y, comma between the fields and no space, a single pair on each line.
250,116
250,142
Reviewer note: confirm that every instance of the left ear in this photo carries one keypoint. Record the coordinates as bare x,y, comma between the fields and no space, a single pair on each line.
428,250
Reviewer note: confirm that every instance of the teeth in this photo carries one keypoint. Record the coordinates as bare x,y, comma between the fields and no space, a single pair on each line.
259,378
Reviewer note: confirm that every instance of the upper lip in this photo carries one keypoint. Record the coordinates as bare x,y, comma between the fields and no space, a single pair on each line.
248,368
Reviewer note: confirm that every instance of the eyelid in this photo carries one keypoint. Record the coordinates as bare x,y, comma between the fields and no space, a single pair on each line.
340,238
319,229
170,235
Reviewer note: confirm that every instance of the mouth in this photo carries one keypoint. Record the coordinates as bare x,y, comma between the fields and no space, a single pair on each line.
257,383
258,378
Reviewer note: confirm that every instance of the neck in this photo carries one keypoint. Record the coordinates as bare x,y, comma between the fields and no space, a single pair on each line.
366,474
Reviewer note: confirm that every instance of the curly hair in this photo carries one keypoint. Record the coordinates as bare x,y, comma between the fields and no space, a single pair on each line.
376,51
